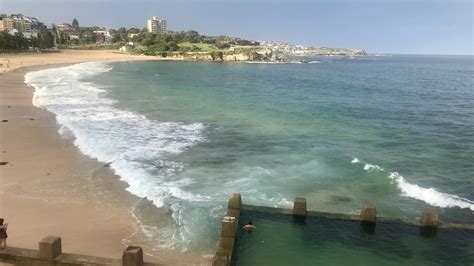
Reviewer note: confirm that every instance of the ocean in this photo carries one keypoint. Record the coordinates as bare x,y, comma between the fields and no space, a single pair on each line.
394,130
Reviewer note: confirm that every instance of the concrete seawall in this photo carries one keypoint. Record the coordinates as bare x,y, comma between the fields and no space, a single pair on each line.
50,253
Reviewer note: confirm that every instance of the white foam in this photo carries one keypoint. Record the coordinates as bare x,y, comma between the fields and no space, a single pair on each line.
430,195
372,167
123,138
355,160
427,195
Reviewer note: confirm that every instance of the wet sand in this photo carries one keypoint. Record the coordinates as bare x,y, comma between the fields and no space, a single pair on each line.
47,187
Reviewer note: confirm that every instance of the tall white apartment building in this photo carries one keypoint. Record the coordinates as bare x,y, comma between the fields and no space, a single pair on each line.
156,25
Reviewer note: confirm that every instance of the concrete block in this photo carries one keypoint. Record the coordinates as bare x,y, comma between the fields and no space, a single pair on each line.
368,213
235,201
429,218
233,213
50,247
132,256
229,227
299,207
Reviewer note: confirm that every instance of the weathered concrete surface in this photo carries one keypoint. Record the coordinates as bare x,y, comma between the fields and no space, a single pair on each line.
221,259
368,213
50,247
132,256
27,257
299,207
30,257
429,218
235,201
233,213
229,228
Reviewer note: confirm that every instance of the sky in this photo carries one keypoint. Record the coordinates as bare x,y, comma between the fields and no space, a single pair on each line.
377,26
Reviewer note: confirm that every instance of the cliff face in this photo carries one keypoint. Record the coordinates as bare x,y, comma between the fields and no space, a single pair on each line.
225,57
331,51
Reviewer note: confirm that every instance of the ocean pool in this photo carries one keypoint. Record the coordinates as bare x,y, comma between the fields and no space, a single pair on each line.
279,240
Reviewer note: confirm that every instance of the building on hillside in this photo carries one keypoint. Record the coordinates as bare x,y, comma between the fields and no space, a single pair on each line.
65,33
132,35
3,23
156,25
17,23
102,36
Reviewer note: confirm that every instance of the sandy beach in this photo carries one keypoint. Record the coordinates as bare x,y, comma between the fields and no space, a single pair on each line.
47,187
10,62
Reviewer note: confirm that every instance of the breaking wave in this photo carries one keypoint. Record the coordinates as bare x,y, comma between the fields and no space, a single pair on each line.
135,147
430,196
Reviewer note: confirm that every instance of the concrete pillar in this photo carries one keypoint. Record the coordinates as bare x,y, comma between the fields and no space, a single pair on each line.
229,227
235,201
132,256
429,223
368,213
429,218
299,207
50,247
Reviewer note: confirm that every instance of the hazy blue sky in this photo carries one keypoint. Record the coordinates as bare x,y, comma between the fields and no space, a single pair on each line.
378,26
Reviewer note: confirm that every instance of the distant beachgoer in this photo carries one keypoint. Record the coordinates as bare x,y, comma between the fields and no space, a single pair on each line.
249,227
3,234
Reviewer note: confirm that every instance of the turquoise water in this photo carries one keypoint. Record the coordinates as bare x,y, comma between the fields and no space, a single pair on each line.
397,131
278,240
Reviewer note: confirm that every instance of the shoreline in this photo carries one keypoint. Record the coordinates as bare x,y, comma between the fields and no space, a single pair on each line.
13,61
48,187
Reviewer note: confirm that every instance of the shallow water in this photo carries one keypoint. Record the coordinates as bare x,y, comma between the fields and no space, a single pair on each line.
397,131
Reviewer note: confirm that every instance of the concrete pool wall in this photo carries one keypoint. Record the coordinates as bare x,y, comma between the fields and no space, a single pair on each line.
428,223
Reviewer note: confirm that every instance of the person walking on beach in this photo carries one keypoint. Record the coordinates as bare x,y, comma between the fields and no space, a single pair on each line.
3,234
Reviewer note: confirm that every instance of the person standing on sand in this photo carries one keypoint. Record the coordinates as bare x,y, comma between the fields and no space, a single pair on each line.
3,234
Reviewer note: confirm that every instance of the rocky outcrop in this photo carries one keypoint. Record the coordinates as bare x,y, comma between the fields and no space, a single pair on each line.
331,52
259,55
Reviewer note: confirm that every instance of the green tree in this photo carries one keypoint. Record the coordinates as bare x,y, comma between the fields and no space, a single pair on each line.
75,24
46,39
116,38
173,46
222,45
217,55
3,40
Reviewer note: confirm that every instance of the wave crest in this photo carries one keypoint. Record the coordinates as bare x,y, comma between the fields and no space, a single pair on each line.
430,196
